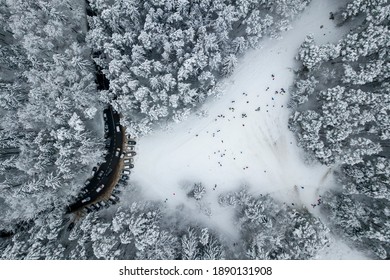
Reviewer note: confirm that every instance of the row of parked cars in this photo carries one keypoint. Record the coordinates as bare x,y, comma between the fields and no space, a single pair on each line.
97,190
100,173
114,199
128,159
128,164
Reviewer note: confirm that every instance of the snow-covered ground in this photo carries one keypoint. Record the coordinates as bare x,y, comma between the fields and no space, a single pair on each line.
244,139
339,250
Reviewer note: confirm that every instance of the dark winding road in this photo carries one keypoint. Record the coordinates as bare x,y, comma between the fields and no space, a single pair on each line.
102,178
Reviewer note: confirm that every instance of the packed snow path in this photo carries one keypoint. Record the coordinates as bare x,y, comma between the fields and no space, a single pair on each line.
244,139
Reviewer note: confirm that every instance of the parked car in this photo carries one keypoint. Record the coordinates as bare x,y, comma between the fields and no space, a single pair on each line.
109,170
100,174
103,204
128,160
86,183
118,128
122,155
126,172
110,201
98,189
93,171
114,197
94,207
117,152
125,177
116,191
131,142
86,199
130,148
105,116
83,191
129,166
131,153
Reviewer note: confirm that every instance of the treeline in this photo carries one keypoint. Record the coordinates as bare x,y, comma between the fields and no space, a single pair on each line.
48,100
342,104
271,230
267,229
140,231
164,57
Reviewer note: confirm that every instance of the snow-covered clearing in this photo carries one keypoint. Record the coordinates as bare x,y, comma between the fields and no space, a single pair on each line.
244,139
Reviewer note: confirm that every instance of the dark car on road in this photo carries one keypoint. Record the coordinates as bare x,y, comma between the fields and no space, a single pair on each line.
100,174
99,189
86,199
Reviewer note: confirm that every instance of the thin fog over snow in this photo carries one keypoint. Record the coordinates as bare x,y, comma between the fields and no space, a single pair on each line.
243,137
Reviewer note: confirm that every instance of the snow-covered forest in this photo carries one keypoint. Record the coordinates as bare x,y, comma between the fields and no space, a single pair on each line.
262,128
48,104
341,100
165,57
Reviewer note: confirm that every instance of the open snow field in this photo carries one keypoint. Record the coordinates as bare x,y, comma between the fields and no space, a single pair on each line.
244,139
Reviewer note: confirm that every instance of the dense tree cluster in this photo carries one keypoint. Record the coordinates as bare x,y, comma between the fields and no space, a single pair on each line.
47,102
272,230
164,57
144,230
136,232
342,105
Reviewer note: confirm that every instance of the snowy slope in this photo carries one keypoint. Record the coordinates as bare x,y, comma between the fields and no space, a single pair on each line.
226,149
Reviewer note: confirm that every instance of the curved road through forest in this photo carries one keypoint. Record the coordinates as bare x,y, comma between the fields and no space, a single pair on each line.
104,177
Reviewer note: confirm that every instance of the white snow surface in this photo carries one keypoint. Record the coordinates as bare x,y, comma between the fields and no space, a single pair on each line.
225,150
339,250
